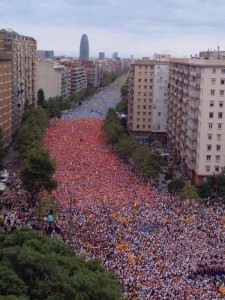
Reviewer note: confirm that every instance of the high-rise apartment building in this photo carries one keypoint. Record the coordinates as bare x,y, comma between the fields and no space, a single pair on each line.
45,54
84,47
6,97
196,114
147,100
23,50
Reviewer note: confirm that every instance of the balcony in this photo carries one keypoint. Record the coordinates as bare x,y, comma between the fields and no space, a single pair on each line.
194,104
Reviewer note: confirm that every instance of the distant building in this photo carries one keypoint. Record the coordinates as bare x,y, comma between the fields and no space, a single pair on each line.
215,54
101,55
115,55
6,97
23,50
94,72
84,47
45,54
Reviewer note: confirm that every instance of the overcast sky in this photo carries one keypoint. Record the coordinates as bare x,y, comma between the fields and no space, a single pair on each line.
139,28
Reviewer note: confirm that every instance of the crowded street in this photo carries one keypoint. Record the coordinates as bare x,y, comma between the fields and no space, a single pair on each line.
159,247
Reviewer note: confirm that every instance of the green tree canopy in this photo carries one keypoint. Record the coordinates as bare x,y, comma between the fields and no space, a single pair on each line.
40,97
37,170
33,266
176,186
189,192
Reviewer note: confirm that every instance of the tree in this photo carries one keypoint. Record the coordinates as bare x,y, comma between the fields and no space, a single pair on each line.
37,170
2,150
189,192
41,97
33,266
126,147
176,186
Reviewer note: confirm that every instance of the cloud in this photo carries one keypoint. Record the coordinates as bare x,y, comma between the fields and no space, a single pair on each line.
134,27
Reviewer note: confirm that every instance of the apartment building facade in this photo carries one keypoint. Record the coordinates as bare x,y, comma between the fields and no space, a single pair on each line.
23,50
77,78
94,72
196,112
6,97
147,100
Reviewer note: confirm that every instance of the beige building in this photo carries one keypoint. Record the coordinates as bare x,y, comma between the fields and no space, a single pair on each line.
147,101
23,50
93,71
48,78
196,111
6,97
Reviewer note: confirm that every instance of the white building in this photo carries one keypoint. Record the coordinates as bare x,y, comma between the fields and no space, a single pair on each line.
196,111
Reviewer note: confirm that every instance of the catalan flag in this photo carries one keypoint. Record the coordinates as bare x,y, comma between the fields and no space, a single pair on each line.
131,259
89,246
222,289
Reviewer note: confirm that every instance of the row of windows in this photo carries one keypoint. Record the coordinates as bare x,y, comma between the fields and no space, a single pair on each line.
220,115
218,137
145,94
139,100
213,92
146,67
138,120
217,157
217,168
213,81
218,147
211,104
145,80
214,71
143,126
144,113
145,87
219,126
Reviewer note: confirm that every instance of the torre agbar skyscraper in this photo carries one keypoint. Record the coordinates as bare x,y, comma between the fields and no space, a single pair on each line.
84,48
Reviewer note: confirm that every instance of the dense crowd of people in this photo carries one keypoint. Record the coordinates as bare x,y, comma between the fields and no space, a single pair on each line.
158,246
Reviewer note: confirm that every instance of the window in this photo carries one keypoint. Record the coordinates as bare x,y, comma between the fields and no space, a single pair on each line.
139,94
219,126
150,80
144,100
223,71
218,147
149,126
159,114
213,81
139,86
149,113
143,126
217,169
208,157
210,125
207,168
149,106
214,71
143,119
209,147
138,119
212,92
218,137
211,115
138,113
217,157
144,113
220,115
139,80
149,120
222,81
145,80
139,106
145,86
211,104
144,106
209,136
221,92
221,104
139,100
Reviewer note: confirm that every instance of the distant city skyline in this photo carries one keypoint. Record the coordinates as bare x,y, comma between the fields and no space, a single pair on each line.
139,28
